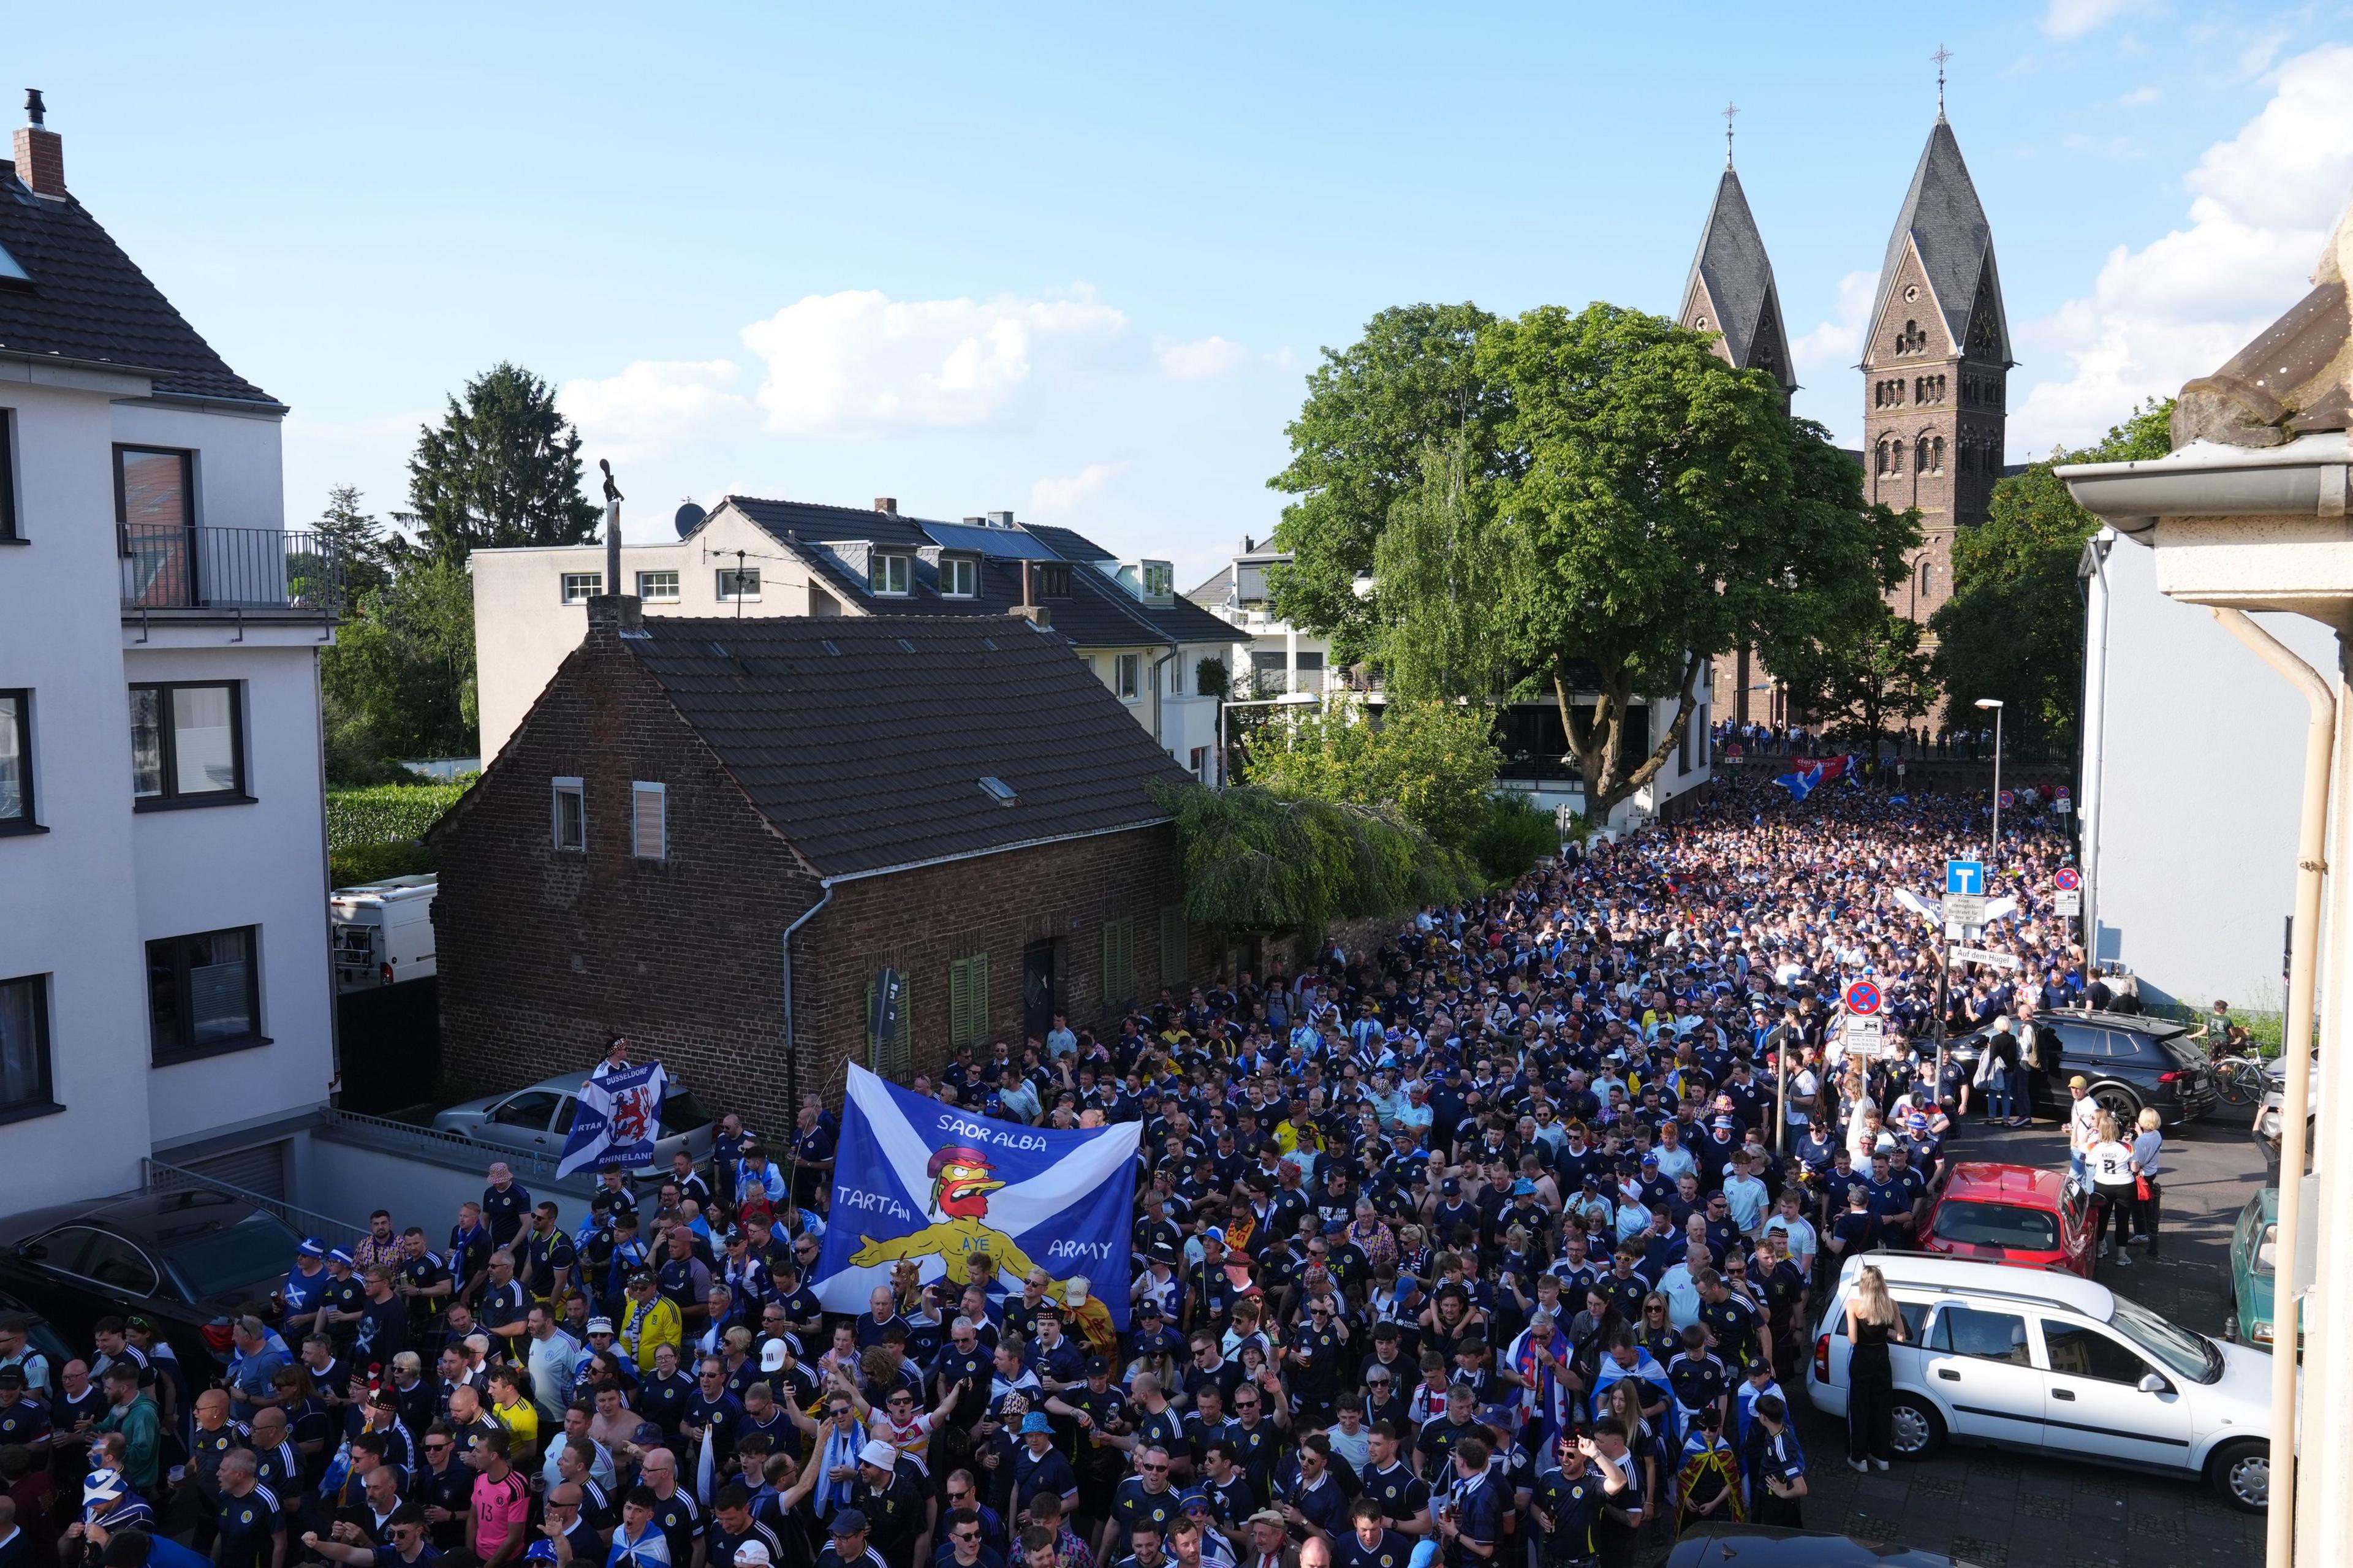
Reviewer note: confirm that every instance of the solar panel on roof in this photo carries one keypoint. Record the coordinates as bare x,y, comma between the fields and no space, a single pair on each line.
1001,543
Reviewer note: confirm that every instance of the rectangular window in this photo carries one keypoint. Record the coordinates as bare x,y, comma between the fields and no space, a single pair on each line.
649,823
571,816
1130,676
1160,579
16,762
25,1048
579,588
968,1001
1118,963
657,587
8,534
1200,763
893,574
203,993
959,577
1054,579
738,582
187,744
155,510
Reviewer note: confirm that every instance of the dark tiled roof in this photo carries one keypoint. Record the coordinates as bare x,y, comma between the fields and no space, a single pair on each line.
88,300
1069,543
1738,275
1215,591
1943,217
862,740
809,520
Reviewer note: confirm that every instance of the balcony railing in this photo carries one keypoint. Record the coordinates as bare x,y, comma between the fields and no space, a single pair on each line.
169,567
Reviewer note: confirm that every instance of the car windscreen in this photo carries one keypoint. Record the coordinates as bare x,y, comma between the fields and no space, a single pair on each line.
1997,1225
2185,1353
682,1112
222,1262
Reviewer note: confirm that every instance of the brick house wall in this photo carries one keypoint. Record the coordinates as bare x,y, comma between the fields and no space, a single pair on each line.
543,953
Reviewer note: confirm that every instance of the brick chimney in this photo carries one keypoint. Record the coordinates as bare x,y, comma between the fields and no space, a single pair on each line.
40,151
1030,607
887,505
623,614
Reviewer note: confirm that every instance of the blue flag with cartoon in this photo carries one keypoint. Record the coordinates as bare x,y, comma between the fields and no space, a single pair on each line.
918,1181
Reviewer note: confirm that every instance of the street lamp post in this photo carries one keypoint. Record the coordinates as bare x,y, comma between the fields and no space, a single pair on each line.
1995,703
1287,700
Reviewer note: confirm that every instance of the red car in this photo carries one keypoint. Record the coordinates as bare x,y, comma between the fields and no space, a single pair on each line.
2016,1214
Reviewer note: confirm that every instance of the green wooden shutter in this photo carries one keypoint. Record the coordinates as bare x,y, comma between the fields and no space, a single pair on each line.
959,1001
976,967
1119,963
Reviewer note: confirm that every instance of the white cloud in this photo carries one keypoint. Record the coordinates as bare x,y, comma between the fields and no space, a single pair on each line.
1062,494
652,406
2140,96
1203,360
860,362
2262,205
2258,56
2074,18
1835,344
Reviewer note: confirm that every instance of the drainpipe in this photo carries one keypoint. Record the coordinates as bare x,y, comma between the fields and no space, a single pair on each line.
791,1046
1158,733
2090,796
2312,824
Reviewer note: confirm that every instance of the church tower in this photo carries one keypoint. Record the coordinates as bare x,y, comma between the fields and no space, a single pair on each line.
1935,368
1731,293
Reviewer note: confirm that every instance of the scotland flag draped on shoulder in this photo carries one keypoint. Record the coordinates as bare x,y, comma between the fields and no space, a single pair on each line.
914,1179
619,1119
1814,772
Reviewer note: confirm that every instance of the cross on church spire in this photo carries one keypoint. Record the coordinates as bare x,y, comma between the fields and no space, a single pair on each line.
1940,56
1730,109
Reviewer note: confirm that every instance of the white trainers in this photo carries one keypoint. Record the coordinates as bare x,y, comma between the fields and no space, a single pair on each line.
2124,1260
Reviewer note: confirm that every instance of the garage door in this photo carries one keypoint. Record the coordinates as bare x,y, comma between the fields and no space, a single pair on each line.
261,1169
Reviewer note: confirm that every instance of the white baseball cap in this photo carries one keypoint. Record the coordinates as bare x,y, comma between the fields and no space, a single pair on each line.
772,1359
879,1454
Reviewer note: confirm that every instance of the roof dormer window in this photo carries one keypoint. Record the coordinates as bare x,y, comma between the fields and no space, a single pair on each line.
893,575
959,577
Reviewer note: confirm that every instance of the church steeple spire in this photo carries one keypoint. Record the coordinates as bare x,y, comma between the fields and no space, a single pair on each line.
1940,56
1731,292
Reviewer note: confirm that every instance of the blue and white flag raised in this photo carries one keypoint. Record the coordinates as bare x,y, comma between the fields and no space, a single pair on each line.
619,1119
917,1180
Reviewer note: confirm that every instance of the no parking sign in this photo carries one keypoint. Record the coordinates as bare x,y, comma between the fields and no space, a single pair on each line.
1861,998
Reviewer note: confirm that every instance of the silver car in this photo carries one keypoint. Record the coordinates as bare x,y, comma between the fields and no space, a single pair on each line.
537,1120
2267,1127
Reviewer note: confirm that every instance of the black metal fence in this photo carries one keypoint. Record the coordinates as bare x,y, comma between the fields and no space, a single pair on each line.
170,567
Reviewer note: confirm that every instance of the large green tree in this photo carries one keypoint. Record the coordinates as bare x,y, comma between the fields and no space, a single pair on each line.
1373,410
502,468
1434,761
2013,628
1862,674
399,681
355,540
1649,508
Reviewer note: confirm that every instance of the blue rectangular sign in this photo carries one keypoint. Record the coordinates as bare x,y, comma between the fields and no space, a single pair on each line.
1965,876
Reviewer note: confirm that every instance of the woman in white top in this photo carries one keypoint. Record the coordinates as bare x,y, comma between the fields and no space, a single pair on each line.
2109,1160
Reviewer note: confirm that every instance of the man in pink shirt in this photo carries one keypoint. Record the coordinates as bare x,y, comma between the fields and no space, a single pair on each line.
496,1528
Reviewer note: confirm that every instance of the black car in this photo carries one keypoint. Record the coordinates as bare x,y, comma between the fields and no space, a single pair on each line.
1766,1546
186,1261
2129,1059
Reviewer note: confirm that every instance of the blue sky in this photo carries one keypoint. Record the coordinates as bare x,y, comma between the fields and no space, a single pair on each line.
1076,261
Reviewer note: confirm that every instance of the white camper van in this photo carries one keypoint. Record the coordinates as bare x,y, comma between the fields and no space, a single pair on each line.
383,931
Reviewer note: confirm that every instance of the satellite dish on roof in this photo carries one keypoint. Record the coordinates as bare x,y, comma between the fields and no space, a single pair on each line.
690,518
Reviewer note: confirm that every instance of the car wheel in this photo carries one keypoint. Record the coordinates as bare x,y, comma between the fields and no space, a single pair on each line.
2119,1102
1917,1431
2242,1472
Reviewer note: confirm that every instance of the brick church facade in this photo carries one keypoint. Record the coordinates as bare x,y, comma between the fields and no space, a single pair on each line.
1935,368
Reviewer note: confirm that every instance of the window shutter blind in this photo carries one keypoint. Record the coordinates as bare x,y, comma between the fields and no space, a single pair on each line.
647,819
1173,943
960,1001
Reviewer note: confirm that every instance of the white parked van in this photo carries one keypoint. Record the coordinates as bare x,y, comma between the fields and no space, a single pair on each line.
2050,1362
383,931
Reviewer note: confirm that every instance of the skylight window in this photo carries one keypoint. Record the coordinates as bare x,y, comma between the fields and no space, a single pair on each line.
998,790
9,269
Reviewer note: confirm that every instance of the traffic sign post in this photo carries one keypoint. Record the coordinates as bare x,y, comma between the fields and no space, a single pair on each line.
1984,955
1861,998
1866,1034
1964,911
1964,878
2070,905
2069,879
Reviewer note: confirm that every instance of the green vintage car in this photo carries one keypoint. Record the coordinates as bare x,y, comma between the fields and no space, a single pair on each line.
2251,1241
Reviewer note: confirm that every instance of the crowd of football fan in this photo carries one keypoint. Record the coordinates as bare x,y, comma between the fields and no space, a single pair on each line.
1494,1244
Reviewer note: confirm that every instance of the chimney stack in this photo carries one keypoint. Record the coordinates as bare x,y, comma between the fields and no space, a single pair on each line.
40,151
887,505
1029,609
1000,519
621,614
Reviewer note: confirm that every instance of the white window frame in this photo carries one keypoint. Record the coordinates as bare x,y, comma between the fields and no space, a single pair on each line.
743,578
1160,579
959,577
593,582
895,576
642,797
558,790
1127,677
646,585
